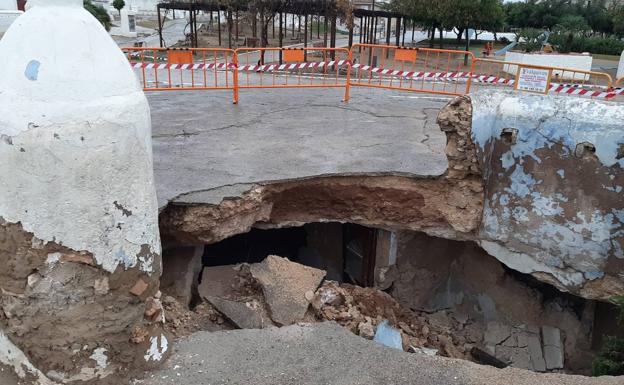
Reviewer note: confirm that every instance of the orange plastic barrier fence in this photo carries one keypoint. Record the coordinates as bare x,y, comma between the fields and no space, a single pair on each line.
541,79
436,71
163,69
293,68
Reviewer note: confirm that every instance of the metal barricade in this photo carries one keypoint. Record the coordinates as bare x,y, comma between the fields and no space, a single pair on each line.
293,68
541,79
435,71
618,88
164,69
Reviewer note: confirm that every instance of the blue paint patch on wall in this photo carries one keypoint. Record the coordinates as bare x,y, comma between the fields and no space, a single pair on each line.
32,70
591,275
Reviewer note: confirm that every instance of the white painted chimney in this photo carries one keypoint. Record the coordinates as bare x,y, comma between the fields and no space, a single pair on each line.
76,149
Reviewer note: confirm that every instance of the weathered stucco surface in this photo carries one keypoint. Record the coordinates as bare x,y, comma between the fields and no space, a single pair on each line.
554,184
79,242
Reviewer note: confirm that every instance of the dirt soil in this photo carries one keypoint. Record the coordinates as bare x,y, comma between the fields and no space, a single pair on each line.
360,310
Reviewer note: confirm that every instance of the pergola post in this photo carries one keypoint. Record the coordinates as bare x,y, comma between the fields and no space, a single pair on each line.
305,36
365,31
228,14
375,31
388,30
333,36
361,29
404,28
219,26
398,31
237,28
325,24
281,37
160,27
318,26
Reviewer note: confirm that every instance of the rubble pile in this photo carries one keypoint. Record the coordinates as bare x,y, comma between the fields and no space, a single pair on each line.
279,292
361,310
181,321
275,292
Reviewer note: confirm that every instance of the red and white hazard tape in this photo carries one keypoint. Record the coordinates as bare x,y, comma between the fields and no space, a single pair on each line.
443,76
554,87
249,67
198,66
291,66
411,74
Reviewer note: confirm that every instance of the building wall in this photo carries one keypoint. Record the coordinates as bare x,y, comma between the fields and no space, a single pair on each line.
567,61
553,175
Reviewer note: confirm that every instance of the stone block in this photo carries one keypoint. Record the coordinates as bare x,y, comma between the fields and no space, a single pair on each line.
496,332
218,281
284,284
249,314
551,336
181,268
534,346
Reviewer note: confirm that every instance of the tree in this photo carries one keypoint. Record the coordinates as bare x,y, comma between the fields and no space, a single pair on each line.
617,18
118,5
99,13
571,26
532,39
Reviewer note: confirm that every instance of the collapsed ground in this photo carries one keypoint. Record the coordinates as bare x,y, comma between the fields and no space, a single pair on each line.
398,259
440,297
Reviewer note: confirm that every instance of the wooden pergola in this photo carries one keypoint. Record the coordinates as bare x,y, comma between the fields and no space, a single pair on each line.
328,10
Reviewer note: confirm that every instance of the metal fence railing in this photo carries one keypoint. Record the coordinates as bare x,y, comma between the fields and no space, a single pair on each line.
434,71
162,69
293,68
541,79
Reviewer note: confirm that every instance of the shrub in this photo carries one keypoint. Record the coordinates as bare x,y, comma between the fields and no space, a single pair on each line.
596,45
610,359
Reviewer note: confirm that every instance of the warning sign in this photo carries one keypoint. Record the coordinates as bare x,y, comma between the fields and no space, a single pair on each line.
533,80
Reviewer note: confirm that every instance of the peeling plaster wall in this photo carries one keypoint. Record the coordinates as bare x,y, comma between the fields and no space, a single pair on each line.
553,208
78,155
79,239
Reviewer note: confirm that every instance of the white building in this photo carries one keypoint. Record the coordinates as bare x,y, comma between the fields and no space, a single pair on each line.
8,13
369,4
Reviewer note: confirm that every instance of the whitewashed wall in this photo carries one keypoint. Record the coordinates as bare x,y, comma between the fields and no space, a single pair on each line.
567,61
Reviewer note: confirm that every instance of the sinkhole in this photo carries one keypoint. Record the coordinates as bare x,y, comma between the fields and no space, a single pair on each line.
445,297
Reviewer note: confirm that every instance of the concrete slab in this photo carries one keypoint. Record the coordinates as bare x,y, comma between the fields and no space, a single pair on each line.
323,354
181,268
217,281
246,315
285,284
206,148
553,347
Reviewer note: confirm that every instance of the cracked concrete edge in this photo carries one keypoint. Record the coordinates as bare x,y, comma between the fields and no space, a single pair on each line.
216,195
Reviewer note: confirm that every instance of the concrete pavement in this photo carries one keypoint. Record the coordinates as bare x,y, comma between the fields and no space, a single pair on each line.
206,148
323,354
